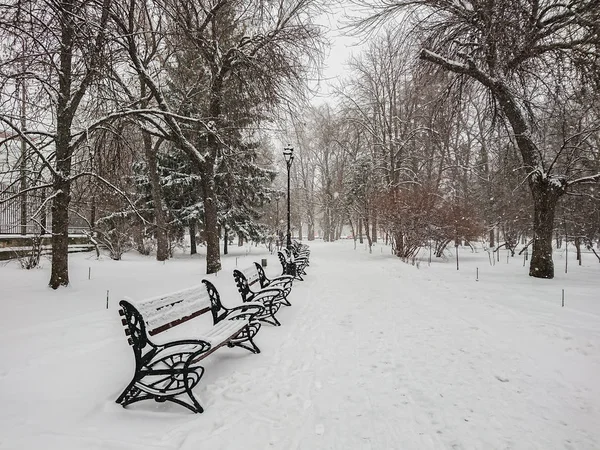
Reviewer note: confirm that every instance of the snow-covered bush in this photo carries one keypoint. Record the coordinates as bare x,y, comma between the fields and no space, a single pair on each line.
115,234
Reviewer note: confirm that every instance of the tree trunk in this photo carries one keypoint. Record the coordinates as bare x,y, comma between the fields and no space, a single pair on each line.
544,205
192,228
368,233
352,231
326,228
59,275
240,239
225,239
374,227
60,235
578,248
399,243
492,238
162,238
211,225
558,241
360,232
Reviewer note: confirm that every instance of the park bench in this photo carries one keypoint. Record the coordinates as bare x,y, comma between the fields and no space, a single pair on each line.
270,298
300,250
285,282
292,265
288,266
301,254
165,372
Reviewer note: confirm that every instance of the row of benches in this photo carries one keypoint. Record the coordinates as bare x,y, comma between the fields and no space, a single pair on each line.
169,371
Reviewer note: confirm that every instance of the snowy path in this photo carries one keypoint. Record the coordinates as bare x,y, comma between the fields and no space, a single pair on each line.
373,354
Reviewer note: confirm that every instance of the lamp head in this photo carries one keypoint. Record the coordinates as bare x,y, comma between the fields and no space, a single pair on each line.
288,154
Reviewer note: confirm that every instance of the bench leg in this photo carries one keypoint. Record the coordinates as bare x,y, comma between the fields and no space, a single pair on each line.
194,406
133,393
252,347
272,320
247,335
286,302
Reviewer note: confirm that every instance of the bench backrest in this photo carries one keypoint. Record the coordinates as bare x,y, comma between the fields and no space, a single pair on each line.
251,275
160,313
243,286
282,260
168,310
135,328
217,309
262,277
289,268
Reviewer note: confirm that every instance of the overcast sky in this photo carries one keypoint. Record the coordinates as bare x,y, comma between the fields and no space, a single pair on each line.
343,46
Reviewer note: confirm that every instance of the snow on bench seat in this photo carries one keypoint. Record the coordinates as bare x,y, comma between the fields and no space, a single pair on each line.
223,331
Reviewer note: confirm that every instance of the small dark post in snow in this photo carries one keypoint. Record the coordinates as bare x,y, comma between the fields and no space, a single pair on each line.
507,255
106,299
429,263
456,255
236,261
566,246
477,276
566,255
563,298
89,273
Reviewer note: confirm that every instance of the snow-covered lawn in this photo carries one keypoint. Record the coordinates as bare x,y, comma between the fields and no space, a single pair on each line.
373,354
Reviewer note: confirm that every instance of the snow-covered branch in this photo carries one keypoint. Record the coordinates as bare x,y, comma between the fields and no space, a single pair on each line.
32,144
113,187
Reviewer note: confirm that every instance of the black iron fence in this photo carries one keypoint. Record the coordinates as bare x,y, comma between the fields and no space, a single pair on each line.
34,220
37,218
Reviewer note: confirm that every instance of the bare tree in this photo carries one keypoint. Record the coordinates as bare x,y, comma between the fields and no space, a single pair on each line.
251,52
64,44
518,51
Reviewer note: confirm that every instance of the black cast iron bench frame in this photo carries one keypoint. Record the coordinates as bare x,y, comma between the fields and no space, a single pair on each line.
291,265
271,298
284,282
165,372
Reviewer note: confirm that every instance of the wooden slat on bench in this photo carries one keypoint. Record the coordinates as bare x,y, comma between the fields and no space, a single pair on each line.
166,311
251,275
221,334
166,326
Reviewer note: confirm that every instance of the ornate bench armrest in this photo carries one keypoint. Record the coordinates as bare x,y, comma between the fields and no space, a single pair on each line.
185,349
281,279
268,295
246,311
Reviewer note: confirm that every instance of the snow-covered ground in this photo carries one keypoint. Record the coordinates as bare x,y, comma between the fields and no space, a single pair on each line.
373,354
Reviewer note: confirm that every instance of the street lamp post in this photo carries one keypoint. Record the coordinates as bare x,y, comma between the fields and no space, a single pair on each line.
277,198
288,154
278,240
